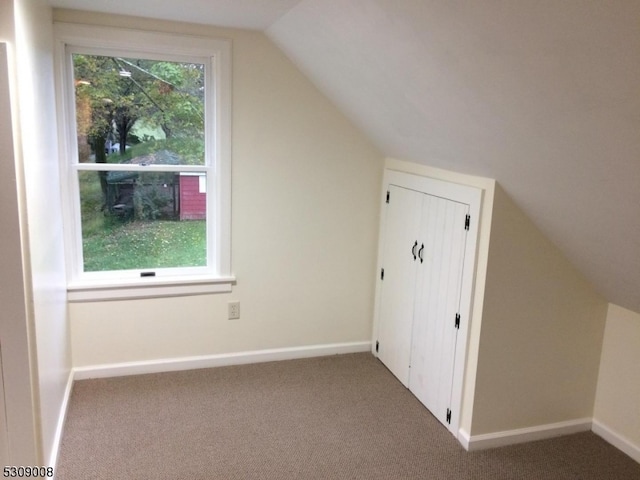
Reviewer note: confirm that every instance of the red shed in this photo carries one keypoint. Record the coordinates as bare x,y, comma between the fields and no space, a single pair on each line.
193,193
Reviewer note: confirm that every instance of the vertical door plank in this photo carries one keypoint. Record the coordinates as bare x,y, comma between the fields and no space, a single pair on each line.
398,287
437,301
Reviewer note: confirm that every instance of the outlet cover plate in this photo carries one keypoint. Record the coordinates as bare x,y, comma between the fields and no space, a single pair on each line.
234,310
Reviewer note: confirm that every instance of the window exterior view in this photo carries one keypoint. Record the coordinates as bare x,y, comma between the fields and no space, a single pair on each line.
135,112
145,162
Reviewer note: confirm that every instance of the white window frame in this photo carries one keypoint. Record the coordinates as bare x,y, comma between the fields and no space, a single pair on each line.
215,54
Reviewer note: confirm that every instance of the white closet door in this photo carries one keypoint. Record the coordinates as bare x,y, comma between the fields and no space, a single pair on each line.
403,214
434,332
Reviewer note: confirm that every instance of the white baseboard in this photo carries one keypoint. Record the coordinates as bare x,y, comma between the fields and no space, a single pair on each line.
208,361
55,448
619,441
522,435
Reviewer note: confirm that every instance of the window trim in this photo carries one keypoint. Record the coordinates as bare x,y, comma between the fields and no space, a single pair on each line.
216,53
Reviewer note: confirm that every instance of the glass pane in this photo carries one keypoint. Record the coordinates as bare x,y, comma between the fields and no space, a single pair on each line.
140,220
140,111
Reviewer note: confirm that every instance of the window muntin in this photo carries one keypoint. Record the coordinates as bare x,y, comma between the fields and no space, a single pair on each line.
211,167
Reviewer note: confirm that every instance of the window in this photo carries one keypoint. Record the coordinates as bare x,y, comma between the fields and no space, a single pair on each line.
145,162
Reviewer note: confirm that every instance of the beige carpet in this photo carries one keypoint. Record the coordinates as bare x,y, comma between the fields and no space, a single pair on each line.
340,417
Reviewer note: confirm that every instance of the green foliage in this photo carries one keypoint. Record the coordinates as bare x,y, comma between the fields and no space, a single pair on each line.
91,203
180,97
150,201
190,150
170,73
114,93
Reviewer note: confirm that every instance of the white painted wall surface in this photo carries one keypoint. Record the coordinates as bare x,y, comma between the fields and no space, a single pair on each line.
541,333
617,406
43,224
305,206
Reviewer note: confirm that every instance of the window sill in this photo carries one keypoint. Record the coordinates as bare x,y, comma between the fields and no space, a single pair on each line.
153,288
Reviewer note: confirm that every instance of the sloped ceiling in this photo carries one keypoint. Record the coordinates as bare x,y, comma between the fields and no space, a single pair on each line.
250,14
542,95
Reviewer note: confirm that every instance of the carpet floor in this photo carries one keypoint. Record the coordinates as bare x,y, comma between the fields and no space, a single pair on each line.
338,417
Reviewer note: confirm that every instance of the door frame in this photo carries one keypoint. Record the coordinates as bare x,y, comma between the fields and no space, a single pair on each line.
18,356
471,196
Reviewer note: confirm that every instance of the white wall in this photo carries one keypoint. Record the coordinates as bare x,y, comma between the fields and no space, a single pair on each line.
14,329
305,188
617,408
44,253
541,333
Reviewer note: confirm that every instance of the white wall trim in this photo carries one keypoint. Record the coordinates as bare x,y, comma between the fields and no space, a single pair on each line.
55,448
157,287
225,359
522,435
619,441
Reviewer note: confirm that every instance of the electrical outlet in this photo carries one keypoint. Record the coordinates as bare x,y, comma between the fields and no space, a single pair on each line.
234,310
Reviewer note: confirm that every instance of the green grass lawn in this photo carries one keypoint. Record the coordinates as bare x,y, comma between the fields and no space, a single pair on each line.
146,245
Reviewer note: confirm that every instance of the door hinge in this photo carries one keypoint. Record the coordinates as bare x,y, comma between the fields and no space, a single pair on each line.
448,416
377,347
457,320
467,222
388,194
382,274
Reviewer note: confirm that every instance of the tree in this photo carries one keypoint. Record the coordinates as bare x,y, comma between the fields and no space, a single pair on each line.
114,93
95,112
181,98
118,92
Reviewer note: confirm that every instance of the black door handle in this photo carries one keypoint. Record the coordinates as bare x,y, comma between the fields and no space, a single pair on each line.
413,250
420,253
